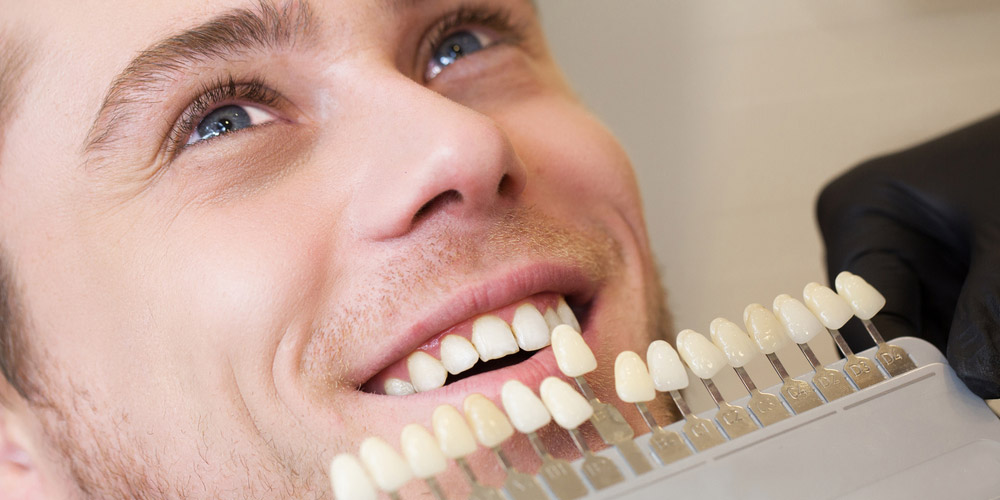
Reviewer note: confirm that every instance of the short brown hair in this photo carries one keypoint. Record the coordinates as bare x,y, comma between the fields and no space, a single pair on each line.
13,67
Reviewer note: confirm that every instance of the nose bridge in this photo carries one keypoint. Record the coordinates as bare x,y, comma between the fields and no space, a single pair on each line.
431,157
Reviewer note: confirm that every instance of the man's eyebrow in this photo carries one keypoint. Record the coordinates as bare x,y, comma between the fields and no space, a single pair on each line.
235,32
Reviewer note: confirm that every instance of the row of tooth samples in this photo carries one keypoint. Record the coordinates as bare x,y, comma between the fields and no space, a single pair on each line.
456,436
491,338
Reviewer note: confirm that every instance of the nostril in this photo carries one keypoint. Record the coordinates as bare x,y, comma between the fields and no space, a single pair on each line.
439,201
506,185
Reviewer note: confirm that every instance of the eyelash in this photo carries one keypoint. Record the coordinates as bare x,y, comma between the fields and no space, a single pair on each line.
257,91
495,18
254,91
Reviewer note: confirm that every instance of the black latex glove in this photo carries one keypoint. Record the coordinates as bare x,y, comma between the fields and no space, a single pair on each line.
923,227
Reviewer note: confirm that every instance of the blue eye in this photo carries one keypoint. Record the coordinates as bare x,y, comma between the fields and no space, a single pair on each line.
226,119
452,48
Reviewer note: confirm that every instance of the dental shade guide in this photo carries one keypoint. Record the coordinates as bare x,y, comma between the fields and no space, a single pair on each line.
528,414
833,311
898,435
866,301
569,409
669,375
492,428
802,326
739,351
575,359
456,441
706,361
634,384
769,335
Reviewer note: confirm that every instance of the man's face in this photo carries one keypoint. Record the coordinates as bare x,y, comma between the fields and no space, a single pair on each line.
272,212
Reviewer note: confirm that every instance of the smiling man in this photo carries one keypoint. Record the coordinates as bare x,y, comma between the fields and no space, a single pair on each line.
226,227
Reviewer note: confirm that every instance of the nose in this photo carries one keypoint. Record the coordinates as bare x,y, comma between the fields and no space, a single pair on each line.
431,158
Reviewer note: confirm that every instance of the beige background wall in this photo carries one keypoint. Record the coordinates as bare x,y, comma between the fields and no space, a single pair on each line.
735,113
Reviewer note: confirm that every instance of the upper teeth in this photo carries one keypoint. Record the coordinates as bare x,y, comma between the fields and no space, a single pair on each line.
492,338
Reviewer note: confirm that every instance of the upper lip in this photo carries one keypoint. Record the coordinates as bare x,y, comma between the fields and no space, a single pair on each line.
482,297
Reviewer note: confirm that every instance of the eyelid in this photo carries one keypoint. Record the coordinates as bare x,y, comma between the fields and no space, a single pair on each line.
497,21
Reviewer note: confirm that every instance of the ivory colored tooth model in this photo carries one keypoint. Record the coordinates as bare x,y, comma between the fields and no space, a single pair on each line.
492,428
570,409
527,414
349,479
706,361
634,385
833,311
456,441
769,335
802,326
575,359
385,466
424,456
866,301
739,350
668,374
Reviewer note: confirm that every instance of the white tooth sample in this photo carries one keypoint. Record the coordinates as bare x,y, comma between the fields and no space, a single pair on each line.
398,387
573,355
422,451
349,479
453,435
426,372
831,309
568,407
700,354
526,411
457,354
385,465
764,327
492,337
566,314
799,322
552,318
488,423
733,342
530,328
863,298
665,367
632,381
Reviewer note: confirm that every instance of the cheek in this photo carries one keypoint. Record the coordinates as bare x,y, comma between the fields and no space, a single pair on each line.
571,156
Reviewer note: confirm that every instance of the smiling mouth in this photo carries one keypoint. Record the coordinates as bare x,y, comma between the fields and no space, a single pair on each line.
488,342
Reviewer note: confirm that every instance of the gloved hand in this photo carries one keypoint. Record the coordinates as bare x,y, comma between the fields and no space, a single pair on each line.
923,227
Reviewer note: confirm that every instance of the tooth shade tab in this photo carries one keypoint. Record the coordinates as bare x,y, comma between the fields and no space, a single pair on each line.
799,322
831,309
566,314
632,380
385,465
526,411
733,341
493,338
704,359
457,354
863,298
349,479
398,387
488,423
422,451
529,327
764,327
453,435
665,367
568,407
573,355
426,372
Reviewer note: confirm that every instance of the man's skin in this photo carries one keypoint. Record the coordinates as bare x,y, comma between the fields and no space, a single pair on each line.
198,319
